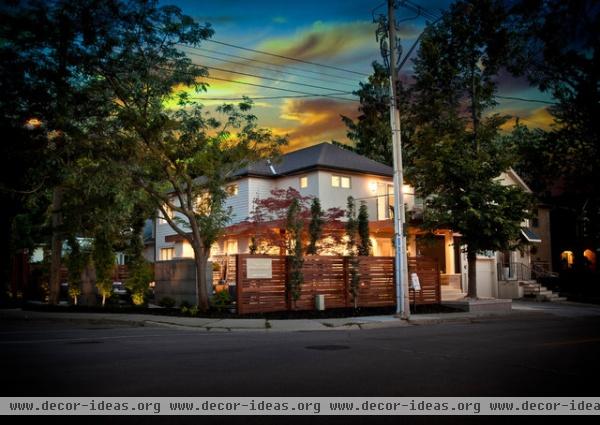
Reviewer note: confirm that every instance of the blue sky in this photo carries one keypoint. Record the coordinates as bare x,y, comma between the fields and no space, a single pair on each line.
337,33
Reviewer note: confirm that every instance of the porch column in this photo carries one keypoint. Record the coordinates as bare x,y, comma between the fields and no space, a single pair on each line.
449,250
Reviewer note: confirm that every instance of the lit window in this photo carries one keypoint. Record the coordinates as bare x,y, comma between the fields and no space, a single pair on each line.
303,182
566,259
167,254
340,181
232,189
232,246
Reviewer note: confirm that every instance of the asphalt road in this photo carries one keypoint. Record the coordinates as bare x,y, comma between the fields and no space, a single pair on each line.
532,355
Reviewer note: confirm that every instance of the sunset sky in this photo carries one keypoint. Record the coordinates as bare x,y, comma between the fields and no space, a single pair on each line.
336,33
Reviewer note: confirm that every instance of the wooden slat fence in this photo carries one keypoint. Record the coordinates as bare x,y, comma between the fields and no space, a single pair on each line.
323,275
330,276
429,279
377,286
261,295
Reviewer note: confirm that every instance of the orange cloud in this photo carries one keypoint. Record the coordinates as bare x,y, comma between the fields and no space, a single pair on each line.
315,121
536,118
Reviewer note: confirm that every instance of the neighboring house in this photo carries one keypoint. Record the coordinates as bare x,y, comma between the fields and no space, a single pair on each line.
331,173
496,267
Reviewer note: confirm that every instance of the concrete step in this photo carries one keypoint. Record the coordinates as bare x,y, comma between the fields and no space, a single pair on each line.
546,292
528,282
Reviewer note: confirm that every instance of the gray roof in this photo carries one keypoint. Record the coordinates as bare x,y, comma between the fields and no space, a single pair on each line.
321,156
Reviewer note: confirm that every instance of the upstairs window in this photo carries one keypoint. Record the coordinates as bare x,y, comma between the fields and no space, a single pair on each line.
167,254
340,181
303,182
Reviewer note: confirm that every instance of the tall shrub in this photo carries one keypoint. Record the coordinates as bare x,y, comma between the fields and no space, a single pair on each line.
294,227
364,241
351,235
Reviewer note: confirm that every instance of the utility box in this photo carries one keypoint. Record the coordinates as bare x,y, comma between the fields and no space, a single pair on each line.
320,302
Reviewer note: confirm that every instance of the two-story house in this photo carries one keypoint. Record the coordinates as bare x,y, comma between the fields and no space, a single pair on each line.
331,173
325,171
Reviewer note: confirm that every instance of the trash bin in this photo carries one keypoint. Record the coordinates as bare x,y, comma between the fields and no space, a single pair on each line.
320,302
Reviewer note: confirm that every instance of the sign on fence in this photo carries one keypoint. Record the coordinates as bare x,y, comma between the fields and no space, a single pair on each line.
259,268
414,280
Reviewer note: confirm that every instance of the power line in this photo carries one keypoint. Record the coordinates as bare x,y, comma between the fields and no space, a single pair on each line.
262,52
334,95
260,61
270,79
425,12
328,95
267,69
526,100
230,99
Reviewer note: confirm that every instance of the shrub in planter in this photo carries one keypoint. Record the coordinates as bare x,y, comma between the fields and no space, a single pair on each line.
221,300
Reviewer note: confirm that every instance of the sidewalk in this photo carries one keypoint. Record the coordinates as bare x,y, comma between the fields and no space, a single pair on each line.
241,324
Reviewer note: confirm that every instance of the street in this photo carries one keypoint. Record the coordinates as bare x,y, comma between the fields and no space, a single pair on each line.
537,354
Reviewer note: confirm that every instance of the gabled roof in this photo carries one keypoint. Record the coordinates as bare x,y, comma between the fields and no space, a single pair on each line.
321,156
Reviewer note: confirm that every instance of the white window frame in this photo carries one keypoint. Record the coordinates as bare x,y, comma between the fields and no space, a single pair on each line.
348,179
167,254
303,182
337,180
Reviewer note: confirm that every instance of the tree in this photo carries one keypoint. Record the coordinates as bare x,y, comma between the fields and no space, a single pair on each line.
294,226
268,221
180,155
315,227
104,264
57,101
351,235
457,154
268,218
364,245
46,44
371,132
76,262
140,272
559,52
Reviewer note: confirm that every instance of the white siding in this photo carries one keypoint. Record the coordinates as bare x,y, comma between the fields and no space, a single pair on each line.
259,188
239,202
360,188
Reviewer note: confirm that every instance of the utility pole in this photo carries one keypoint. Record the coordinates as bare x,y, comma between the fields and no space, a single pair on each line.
401,276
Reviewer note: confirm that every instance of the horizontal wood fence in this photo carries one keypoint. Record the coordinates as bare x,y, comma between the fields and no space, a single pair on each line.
329,276
429,279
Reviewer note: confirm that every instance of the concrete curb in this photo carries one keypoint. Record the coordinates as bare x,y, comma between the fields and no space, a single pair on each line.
253,325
